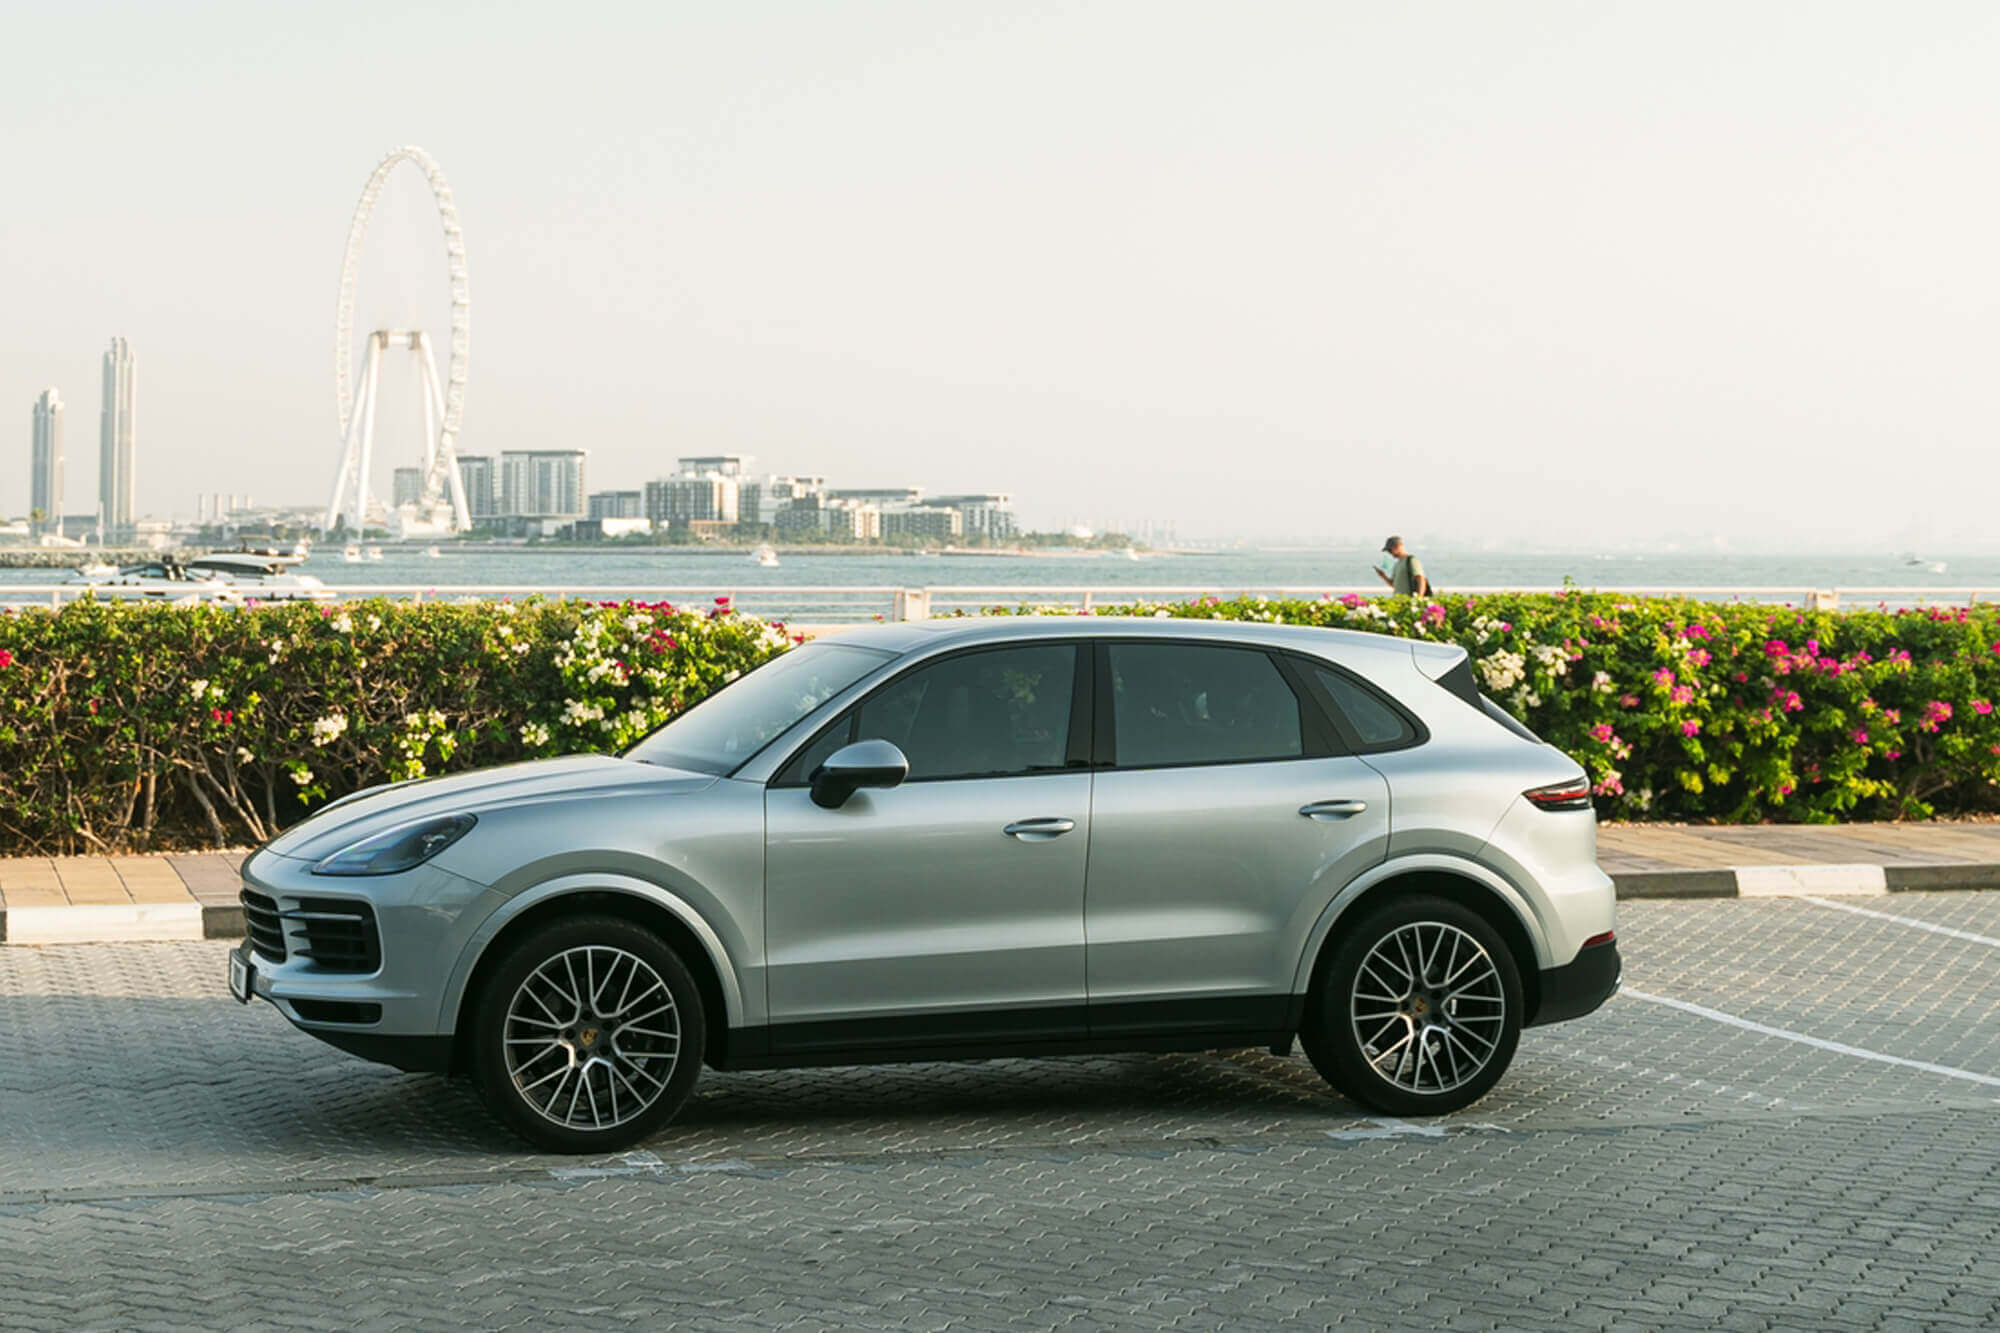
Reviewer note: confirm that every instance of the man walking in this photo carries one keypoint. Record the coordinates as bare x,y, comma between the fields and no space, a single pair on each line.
1405,574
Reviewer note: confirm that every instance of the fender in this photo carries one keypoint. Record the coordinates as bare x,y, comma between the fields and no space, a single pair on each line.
718,957
1516,901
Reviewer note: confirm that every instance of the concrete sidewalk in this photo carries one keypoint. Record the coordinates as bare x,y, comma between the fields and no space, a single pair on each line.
192,895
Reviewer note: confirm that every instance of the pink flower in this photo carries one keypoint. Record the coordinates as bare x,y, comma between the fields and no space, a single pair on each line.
1664,677
1601,732
1609,787
1695,632
1787,789
6,659
1690,728
1699,657
1894,754
1812,647
1434,614
1776,648
1860,737
1793,703
1683,694
1979,706
1629,700
1350,601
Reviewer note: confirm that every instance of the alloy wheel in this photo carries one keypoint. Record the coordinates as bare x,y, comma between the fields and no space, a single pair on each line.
592,1037
1428,1007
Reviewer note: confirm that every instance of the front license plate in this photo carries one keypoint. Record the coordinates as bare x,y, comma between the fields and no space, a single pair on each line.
239,976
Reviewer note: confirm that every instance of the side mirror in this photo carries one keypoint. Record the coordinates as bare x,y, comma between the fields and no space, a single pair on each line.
852,767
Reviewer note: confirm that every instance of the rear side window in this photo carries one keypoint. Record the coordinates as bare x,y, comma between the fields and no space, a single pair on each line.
1378,724
1177,703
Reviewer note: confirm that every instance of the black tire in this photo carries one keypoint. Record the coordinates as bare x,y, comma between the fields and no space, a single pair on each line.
613,1056
1431,1049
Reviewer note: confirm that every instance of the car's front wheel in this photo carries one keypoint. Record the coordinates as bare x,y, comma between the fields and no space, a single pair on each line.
1419,1009
589,1035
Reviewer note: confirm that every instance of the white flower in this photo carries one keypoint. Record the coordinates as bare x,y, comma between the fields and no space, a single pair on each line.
342,623
197,690
302,776
1503,670
1600,683
329,729
732,674
374,621
534,734
243,756
576,713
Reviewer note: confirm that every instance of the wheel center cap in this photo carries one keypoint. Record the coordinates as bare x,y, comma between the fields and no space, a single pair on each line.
1420,1006
587,1037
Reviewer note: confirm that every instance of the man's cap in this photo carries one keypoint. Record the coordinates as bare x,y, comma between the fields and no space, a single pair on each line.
1392,543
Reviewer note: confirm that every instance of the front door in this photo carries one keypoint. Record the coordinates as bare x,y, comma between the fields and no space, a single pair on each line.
948,910
1222,827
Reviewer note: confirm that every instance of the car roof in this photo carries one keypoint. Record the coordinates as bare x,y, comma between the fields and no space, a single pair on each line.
967,631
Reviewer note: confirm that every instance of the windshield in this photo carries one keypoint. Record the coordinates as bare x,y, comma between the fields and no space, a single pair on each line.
721,733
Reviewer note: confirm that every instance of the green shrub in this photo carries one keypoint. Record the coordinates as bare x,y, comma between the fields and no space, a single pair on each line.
126,727
1725,711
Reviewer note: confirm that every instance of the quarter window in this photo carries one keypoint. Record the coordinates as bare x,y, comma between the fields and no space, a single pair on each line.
996,713
1175,703
1377,724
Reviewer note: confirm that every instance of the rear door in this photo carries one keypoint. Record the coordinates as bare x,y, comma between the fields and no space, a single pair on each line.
1227,816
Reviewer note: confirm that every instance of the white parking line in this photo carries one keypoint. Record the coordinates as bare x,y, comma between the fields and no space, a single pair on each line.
1909,921
1840,1048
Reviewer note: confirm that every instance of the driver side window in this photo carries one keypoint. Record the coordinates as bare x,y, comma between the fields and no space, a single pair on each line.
995,713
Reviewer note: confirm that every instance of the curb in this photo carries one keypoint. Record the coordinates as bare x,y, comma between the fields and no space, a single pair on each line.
139,922
1803,880
158,922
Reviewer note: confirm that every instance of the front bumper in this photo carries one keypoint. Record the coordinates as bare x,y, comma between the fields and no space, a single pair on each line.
1579,986
393,1013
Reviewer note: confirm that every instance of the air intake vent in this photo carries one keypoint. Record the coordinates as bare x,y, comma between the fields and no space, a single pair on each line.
266,929
340,934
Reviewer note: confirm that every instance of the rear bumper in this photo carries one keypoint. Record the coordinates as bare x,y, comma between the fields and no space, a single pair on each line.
1577,987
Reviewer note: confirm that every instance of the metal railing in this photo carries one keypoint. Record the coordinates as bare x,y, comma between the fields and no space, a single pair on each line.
847,603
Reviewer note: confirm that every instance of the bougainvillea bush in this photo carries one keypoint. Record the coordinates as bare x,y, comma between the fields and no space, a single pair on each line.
1718,711
127,727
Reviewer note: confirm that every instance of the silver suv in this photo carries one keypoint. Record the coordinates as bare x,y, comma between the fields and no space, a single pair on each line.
966,838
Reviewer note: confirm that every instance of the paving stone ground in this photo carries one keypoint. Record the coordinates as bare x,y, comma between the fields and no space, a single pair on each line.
1830,1159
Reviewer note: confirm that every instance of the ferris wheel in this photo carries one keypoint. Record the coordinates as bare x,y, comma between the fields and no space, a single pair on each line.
440,505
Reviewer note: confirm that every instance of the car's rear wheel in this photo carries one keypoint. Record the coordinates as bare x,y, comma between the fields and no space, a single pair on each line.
589,1035
1419,1009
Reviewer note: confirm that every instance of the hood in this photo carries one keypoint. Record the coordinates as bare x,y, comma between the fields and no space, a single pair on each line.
583,776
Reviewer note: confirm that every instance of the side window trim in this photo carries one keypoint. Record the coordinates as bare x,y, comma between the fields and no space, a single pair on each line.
1318,738
1079,728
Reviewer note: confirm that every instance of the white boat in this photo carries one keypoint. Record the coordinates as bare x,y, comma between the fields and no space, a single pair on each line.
351,553
764,557
97,569
262,573
432,552
374,553
161,580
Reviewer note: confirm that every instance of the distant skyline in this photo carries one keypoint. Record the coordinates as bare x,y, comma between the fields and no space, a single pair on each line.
1552,274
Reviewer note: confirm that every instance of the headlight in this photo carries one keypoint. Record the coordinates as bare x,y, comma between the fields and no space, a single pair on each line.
397,849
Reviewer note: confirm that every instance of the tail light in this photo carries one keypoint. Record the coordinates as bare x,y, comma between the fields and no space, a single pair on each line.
1572,795
1608,937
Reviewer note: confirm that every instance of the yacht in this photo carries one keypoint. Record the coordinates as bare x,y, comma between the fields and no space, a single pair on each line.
432,552
163,580
263,573
764,557
351,553
374,553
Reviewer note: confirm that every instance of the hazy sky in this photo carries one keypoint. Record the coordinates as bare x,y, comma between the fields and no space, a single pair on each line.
1568,273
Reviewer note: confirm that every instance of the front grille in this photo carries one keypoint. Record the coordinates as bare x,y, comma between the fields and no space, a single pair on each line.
340,934
266,928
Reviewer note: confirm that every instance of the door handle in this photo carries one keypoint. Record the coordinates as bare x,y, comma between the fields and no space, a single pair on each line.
1038,830
1324,810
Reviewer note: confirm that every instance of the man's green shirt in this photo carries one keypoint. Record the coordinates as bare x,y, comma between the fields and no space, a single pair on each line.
1408,570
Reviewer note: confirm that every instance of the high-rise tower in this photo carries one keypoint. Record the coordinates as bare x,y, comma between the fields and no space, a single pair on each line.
45,465
115,444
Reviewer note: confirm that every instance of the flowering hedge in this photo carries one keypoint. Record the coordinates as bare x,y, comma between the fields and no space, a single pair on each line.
127,727
1729,711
